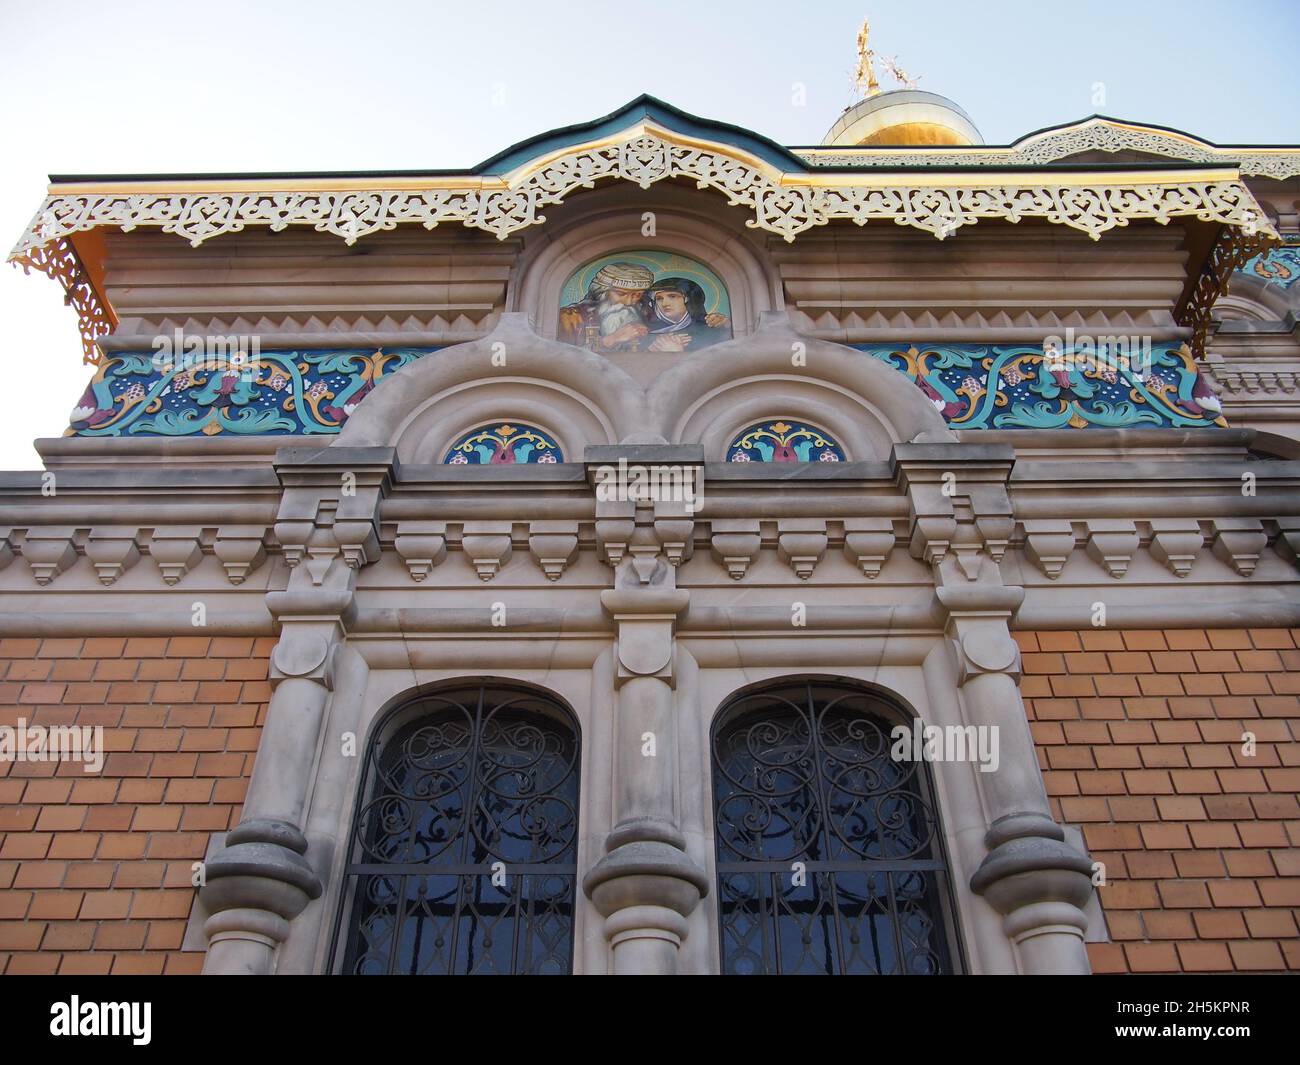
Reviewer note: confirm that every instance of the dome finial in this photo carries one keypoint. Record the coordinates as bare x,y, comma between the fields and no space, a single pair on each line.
866,77
865,80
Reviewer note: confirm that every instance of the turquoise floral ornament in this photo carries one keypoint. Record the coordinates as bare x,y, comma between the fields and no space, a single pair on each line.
1016,386
262,393
1280,267
504,444
784,440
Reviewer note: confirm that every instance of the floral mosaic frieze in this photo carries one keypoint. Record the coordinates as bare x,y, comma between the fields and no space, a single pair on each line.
783,440
1017,386
249,393
1280,267
503,444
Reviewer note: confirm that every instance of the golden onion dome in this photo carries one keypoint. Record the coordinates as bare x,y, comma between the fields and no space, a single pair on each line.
903,117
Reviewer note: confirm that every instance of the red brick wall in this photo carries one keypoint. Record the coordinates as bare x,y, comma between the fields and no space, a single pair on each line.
95,870
1140,739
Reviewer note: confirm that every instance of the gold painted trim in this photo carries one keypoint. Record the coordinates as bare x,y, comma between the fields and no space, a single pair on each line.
1048,146
785,204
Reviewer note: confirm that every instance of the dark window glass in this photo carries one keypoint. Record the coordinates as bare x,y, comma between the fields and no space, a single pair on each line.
464,845
830,858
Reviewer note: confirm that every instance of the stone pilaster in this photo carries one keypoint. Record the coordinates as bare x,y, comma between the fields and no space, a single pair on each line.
646,885
961,521
327,528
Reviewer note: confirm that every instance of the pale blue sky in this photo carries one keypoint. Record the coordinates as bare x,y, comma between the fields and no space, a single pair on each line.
93,87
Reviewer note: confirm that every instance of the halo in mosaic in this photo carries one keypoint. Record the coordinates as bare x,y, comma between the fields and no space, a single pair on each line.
1280,267
650,300
243,391
1087,384
784,440
504,444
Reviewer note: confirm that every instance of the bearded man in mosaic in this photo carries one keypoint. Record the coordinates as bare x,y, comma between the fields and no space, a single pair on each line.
610,318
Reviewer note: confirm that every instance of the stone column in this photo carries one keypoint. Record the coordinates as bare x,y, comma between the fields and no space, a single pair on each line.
961,523
328,528
645,886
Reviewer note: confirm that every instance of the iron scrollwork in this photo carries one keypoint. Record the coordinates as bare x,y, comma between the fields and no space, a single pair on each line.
829,853
464,844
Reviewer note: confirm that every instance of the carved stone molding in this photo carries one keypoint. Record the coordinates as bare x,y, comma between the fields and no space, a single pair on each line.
1049,544
1175,543
1112,545
175,551
49,551
553,545
488,546
422,545
868,543
801,544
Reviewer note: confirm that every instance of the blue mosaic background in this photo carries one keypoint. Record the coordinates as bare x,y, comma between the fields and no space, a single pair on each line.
270,393
504,444
313,392
784,440
1016,386
1280,267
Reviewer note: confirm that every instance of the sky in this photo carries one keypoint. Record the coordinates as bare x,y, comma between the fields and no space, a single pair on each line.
133,87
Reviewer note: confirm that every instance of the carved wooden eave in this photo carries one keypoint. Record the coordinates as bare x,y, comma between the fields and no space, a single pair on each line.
644,143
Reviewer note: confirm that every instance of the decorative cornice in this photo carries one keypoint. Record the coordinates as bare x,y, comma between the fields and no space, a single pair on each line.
1050,146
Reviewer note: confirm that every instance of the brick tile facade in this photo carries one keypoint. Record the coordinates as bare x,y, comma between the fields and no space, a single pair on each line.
95,870
1140,736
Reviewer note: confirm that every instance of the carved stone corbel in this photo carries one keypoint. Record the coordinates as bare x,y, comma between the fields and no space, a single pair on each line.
1048,545
241,549
49,550
1175,543
553,545
112,550
868,543
1239,542
1112,543
422,545
735,544
488,546
176,550
801,544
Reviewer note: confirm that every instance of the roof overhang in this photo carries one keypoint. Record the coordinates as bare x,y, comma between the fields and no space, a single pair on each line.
644,143
1096,133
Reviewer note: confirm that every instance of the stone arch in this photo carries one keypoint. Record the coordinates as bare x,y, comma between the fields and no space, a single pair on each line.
804,777
579,397
1255,299
867,406
457,779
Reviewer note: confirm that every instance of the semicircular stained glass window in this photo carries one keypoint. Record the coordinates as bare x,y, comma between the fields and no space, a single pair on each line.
504,444
784,440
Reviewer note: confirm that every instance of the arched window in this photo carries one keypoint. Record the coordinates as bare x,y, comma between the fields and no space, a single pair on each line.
463,848
830,857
